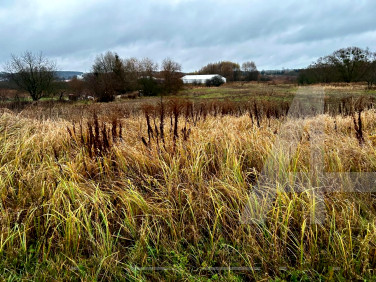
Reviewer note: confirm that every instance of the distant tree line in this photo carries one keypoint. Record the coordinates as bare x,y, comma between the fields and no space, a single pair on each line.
232,71
110,76
351,64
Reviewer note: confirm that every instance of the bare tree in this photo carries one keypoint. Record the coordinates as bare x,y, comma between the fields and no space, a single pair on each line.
132,73
250,71
148,67
32,73
77,86
171,72
149,85
347,64
351,62
370,76
323,71
108,76
230,70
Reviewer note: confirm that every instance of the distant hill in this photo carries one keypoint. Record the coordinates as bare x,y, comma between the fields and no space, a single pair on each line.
64,75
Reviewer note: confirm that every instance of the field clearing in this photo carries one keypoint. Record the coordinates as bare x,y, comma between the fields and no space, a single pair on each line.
270,91
136,190
230,92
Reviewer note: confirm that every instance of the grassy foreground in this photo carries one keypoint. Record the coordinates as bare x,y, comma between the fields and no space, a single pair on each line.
154,212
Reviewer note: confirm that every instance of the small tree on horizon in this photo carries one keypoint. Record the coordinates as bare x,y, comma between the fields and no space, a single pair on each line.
171,76
33,73
351,62
250,71
107,77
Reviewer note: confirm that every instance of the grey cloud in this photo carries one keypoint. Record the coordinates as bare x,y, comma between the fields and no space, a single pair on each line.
272,33
336,20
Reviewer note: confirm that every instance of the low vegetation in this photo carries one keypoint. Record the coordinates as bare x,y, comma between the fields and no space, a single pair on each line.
160,189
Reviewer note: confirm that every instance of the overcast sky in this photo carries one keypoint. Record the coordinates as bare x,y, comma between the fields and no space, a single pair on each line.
273,33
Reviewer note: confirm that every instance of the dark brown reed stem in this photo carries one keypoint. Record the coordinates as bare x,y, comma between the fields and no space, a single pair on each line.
162,115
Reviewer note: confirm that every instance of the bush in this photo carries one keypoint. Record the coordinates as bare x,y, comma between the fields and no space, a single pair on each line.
149,86
214,81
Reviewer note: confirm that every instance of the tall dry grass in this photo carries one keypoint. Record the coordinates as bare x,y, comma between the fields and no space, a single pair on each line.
173,209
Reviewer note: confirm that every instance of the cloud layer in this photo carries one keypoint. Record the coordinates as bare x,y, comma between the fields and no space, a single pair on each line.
274,34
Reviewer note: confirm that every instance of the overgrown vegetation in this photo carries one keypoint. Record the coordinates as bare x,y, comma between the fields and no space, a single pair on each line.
214,81
351,64
158,191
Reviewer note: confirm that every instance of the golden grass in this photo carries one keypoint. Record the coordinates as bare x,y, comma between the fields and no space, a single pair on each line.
65,215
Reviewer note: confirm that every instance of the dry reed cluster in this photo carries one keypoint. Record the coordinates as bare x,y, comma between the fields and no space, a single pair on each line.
160,195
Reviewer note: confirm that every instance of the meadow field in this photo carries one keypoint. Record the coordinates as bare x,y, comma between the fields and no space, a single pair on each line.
174,188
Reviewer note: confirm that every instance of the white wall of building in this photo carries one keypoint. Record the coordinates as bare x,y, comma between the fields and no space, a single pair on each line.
200,78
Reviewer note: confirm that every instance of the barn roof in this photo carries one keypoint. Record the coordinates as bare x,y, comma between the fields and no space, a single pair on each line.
200,76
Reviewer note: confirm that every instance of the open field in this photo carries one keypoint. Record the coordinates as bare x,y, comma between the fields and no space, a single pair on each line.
51,108
270,91
138,190
243,91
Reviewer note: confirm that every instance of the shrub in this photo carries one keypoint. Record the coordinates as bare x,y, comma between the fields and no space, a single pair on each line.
149,86
214,81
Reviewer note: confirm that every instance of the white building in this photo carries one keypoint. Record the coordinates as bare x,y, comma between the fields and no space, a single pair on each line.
200,78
